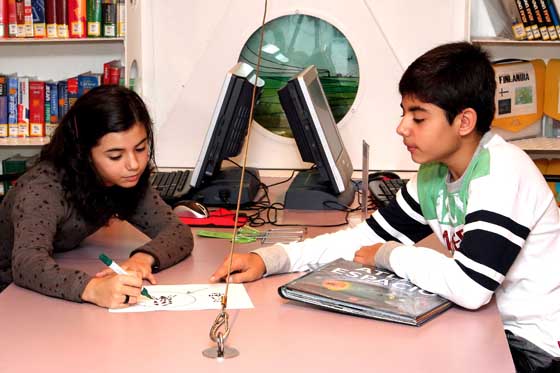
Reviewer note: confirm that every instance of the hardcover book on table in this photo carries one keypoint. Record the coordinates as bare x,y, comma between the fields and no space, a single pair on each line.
356,289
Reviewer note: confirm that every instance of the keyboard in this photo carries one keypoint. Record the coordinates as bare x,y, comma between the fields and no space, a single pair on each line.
172,186
384,191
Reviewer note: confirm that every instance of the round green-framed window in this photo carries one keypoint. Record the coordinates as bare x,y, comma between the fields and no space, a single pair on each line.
292,43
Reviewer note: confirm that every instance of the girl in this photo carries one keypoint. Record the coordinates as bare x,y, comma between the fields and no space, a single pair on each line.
96,167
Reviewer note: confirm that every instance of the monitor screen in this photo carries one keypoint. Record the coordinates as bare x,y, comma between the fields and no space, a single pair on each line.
315,130
229,123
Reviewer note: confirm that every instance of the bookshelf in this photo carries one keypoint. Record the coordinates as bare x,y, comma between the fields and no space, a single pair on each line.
58,59
13,142
484,31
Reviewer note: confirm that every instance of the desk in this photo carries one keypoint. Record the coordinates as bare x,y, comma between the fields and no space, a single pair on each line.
42,334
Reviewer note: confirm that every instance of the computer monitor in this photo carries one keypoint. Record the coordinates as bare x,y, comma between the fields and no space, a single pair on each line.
329,185
211,184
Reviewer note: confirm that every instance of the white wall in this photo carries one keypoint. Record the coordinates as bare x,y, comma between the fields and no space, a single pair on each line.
193,43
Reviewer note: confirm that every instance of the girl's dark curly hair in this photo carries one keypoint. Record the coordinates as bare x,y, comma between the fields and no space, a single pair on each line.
105,109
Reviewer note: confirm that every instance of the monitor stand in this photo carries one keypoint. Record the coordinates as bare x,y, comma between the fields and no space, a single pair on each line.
308,192
222,189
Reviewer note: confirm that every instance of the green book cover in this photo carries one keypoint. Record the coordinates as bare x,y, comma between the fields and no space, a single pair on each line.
93,16
109,18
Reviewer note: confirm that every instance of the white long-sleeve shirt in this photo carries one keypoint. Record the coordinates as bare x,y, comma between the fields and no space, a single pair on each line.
500,223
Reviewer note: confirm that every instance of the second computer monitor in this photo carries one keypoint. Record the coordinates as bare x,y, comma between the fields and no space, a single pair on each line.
319,142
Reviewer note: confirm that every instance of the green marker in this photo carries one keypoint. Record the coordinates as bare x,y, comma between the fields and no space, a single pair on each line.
118,269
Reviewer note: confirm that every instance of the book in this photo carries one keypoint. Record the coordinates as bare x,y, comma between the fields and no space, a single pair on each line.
361,290
532,21
23,106
77,18
62,18
20,19
548,19
109,16
112,72
50,18
12,105
524,20
63,103
36,108
88,81
121,21
3,106
51,107
28,18
554,15
12,19
540,20
517,26
72,89
93,18
39,21
3,18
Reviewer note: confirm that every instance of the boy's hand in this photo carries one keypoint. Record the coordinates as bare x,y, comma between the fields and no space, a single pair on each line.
366,254
247,267
111,291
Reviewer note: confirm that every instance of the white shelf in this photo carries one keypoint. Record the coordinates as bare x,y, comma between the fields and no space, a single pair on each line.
539,144
23,141
59,41
503,41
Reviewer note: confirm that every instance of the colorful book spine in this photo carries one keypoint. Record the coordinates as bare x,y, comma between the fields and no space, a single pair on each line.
39,21
51,115
28,18
77,18
548,20
50,18
36,108
3,106
62,18
23,106
63,106
12,106
111,72
3,18
531,19
523,16
121,18
47,107
87,82
12,19
554,15
93,18
115,74
72,85
540,20
20,19
109,16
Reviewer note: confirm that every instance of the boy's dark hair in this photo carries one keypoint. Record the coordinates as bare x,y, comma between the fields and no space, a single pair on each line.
454,77
105,109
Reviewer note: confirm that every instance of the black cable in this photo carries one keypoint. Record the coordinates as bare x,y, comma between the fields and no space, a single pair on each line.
270,210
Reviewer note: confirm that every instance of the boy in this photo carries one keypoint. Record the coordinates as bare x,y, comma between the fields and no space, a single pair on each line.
482,197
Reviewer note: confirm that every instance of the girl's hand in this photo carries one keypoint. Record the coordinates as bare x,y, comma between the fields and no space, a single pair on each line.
140,263
111,291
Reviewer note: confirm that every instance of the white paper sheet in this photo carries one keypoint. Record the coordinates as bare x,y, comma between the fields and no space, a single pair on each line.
190,297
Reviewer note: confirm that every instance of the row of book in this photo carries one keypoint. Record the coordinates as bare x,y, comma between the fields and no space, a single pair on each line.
33,108
62,18
538,20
